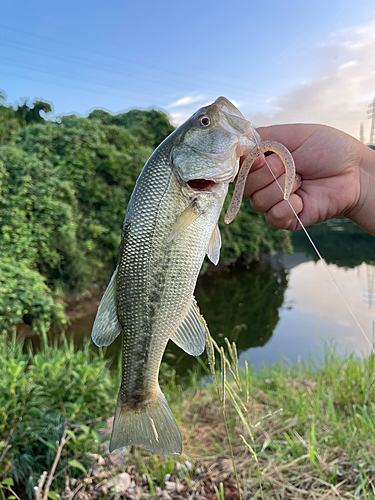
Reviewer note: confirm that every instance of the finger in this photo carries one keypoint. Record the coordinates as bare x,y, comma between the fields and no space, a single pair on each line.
264,199
261,177
291,136
281,216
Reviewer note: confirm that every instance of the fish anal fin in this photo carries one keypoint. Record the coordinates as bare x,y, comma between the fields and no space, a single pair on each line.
106,326
213,250
154,427
190,334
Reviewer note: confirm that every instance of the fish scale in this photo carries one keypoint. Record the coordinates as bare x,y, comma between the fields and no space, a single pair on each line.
170,224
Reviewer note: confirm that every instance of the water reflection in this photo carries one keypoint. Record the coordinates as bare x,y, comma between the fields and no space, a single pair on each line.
241,304
339,241
288,303
313,310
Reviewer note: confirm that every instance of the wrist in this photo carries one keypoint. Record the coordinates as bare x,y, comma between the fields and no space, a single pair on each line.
363,213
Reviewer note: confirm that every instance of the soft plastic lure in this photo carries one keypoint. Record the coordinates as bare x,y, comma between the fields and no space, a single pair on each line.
259,149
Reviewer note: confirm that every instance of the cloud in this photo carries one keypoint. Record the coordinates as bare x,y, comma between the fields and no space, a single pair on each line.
178,118
343,87
184,101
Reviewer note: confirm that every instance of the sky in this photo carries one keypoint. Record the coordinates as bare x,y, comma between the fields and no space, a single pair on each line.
278,61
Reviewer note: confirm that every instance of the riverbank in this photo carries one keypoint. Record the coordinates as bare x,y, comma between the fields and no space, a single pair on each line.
308,431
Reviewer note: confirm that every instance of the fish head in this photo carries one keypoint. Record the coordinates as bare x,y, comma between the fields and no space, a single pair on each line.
209,144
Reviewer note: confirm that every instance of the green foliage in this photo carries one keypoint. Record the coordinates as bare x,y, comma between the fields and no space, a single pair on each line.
32,115
98,165
149,127
12,119
25,295
36,226
64,188
9,123
44,396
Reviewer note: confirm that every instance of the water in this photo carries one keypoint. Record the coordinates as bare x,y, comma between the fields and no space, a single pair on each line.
286,305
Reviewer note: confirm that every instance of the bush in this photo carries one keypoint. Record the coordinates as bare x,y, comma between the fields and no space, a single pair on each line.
45,395
24,294
63,193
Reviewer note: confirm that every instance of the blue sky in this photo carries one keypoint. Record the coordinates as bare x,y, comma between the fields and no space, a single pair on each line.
280,61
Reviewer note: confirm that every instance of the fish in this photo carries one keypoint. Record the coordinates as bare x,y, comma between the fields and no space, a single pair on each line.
171,224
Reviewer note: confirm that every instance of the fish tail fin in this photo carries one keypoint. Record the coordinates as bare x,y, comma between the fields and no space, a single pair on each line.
154,427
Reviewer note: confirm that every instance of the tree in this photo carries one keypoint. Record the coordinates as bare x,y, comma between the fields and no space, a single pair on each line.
32,115
64,188
149,127
12,119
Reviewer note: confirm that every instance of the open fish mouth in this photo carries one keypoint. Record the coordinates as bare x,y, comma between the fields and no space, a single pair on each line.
201,184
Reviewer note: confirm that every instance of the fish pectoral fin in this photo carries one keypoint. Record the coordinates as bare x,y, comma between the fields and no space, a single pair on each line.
213,250
154,427
190,334
186,218
106,326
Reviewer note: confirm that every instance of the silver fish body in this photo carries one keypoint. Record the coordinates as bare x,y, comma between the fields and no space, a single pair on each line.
170,225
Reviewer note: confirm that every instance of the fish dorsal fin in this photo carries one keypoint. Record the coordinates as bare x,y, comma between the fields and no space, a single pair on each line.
213,250
187,217
106,326
190,334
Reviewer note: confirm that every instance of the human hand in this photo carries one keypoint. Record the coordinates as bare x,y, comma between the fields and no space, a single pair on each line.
335,177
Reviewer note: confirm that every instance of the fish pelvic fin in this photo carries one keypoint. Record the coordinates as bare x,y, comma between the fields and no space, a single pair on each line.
154,427
213,250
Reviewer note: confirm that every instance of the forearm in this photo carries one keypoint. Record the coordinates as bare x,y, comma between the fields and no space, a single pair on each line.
363,213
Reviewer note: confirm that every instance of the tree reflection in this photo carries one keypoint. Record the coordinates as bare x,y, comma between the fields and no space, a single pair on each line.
241,304
339,241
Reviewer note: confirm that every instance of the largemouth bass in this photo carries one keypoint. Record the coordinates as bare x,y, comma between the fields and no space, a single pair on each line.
170,225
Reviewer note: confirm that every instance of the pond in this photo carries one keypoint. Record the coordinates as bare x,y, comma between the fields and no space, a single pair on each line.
287,304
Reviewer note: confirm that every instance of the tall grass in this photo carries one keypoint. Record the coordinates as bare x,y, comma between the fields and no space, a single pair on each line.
297,430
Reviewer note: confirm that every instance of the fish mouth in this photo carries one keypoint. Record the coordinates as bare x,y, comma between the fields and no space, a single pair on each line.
234,121
226,106
201,184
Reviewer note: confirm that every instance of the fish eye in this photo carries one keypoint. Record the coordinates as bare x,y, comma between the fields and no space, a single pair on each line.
204,121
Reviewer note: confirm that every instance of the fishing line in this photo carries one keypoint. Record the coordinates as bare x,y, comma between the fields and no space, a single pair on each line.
320,257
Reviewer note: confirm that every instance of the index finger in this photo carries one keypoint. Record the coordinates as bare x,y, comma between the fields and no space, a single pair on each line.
292,136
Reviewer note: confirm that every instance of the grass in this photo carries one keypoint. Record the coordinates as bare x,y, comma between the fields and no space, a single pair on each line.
53,402
292,432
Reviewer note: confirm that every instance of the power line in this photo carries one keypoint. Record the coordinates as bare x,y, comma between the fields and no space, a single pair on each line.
141,70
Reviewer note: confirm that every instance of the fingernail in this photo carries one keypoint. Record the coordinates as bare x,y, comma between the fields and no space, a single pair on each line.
299,178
